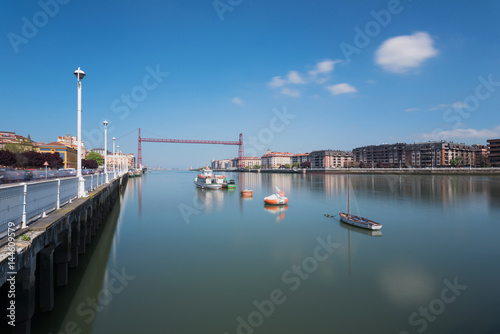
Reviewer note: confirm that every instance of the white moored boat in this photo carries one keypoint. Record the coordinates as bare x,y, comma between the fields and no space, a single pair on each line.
207,180
276,199
356,220
359,221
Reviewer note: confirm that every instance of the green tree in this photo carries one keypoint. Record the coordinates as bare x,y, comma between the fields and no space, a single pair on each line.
95,156
21,145
287,165
295,164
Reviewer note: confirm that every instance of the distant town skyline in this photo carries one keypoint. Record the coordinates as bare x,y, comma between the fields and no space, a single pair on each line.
291,76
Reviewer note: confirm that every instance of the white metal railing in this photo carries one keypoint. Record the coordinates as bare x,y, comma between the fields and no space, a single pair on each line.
24,202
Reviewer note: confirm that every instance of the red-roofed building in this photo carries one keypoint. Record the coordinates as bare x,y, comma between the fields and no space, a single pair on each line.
273,160
72,141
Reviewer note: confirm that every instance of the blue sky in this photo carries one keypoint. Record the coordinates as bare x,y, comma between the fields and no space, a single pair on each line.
290,75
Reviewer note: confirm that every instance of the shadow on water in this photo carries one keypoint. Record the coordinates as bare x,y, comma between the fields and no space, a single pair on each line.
75,305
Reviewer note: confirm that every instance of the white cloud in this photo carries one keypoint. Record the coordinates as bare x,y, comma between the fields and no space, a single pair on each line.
455,105
458,105
295,78
237,100
403,53
370,81
411,109
463,133
277,81
290,92
341,88
325,66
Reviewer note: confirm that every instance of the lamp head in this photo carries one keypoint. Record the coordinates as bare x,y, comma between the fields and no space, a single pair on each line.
105,123
79,74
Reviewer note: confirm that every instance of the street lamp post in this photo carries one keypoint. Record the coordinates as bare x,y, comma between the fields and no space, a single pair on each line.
114,158
106,150
119,161
81,182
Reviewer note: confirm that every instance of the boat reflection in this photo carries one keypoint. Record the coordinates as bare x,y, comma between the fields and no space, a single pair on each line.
371,233
278,210
207,200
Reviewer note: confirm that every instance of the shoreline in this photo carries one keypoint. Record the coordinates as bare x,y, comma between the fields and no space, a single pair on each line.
396,171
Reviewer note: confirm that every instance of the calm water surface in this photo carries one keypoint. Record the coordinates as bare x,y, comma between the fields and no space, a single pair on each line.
176,259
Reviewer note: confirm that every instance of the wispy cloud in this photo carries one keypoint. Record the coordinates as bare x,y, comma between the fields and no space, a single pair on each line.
325,66
411,109
295,78
319,75
237,100
463,133
403,53
341,88
277,81
290,92
455,105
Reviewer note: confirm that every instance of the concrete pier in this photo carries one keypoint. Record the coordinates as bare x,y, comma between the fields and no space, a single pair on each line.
41,263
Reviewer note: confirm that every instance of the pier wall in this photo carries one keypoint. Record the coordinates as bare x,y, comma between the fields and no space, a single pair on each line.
54,245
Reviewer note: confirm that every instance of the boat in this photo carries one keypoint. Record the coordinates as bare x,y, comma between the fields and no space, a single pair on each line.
207,180
229,184
246,193
356,220
276,199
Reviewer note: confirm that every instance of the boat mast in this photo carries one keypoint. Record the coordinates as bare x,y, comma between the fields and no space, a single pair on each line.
348,194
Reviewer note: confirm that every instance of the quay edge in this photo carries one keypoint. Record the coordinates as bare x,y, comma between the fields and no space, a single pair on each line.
56,240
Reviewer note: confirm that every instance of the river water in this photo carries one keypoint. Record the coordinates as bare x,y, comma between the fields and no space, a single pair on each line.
176,259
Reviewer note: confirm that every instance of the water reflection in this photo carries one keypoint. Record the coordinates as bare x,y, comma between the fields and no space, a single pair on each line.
359,230
278,210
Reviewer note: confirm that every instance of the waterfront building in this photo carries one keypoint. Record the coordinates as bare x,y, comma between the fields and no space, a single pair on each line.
330,159
222,164
72,141
126,160
494,152
480,154
273,160
427,154
248,161
300,158
100,151
130,160
68,154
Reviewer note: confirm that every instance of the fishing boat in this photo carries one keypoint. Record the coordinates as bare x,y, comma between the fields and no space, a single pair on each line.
246,193
358,221
229,184
276,199
207,180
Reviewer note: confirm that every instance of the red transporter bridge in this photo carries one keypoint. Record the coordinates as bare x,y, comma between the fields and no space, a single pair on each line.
187,141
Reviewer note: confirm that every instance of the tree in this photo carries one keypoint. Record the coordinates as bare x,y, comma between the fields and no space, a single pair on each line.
305,164
89,164
287,166
295,164
53,159
31,159
95,156
21,145
7,158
